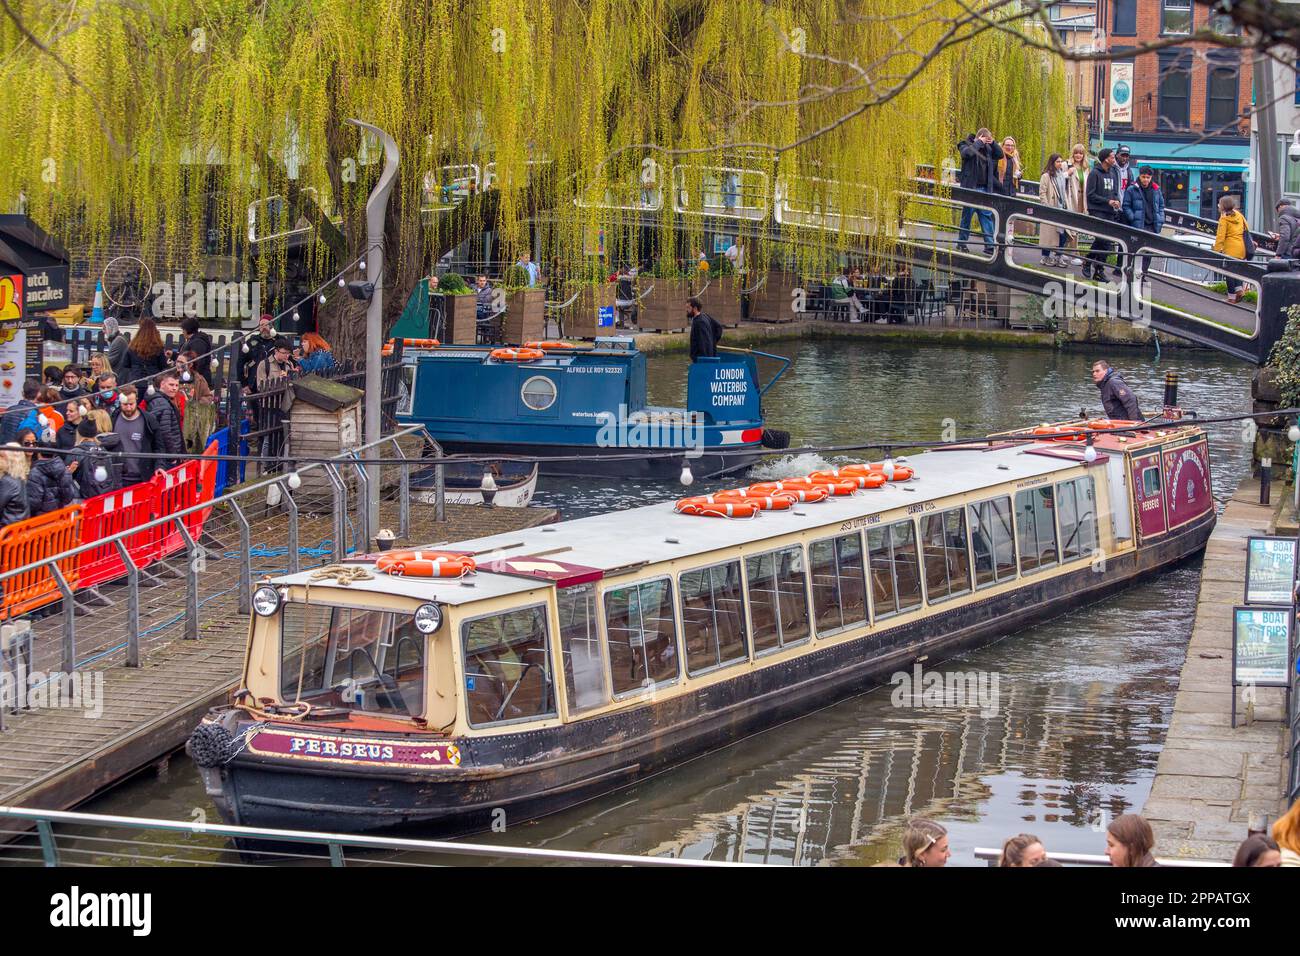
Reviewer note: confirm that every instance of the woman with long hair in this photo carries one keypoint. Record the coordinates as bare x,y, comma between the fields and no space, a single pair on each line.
145,356
925,843
1052,191
1009,171
13,484
1023,849
316,354
1129,841
1258,850
1286,831
200,419
1231,240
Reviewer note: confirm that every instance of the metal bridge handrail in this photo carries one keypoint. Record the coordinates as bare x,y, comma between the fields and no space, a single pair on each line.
1095,859
358,841
265,483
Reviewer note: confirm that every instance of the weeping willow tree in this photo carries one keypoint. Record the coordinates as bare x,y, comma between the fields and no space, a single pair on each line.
587,118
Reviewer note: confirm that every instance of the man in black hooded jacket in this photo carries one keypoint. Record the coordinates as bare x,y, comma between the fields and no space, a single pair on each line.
49,485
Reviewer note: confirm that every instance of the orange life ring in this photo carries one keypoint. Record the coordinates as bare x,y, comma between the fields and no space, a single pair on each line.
720,509
836,486
1060,432
426,564
516,354
872,479
800,489
549,345
772,502
901,472
1105,423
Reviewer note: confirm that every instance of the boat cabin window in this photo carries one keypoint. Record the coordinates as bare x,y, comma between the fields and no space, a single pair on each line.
993,540
642,633
584,654
777,584
1151,481
839,583
713,617
507,667
947,558
1036,528
370,661
1078,514
895,580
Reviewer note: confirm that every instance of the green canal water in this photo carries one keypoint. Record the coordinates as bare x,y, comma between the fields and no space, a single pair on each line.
1084,700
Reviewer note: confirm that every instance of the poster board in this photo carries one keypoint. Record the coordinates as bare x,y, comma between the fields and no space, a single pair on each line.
1270,570
1261,646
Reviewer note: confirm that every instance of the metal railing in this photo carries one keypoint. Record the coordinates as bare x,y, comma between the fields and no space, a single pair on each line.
266,527
35,840
991,857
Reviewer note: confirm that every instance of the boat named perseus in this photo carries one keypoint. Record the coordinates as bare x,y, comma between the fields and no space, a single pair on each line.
531,671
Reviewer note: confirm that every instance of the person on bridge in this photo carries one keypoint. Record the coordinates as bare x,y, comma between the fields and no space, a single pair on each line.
1009,171
1287,235
1126,170
1103,197
1144,208
705,331
137,433
979,170
1116,397
1233,240
1054,191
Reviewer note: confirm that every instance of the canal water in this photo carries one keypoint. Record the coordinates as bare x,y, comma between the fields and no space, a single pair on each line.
1083,701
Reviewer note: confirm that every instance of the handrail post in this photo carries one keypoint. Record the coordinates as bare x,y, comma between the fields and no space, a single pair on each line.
292,506
69,619
132,604
403,492
439,478
49,848
245,562
340,492
366,497
191,582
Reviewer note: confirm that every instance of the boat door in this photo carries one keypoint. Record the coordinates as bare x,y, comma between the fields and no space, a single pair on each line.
1148,495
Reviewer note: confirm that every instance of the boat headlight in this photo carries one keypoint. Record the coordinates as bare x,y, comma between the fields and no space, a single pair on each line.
266,600
428,618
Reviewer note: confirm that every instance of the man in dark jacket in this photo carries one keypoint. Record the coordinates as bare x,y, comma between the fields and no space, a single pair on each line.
1144,207
97,470
200,343
1116,397
49,486
1102,194
259,347
706,331
979,170
137,433
71,387
19,411
166,412
116,342
1288,230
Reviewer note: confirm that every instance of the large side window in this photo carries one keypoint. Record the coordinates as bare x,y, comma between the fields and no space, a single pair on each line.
838,582
895,579
993,541
508,667
713,617
1036,528
642,633
584,654
1078,518
777,584
947,560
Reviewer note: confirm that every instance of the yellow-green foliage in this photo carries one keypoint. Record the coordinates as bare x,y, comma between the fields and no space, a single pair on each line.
177,91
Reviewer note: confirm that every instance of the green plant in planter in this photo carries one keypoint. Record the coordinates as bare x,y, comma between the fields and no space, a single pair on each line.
1250,296
515,279
453,284
1285,359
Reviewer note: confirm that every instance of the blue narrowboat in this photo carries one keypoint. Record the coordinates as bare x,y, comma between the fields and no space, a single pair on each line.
564,400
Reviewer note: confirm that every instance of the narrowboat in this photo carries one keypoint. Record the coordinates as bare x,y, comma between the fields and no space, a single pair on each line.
527,672
554,399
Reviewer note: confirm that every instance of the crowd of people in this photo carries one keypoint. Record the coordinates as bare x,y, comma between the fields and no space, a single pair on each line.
1130,842
134,409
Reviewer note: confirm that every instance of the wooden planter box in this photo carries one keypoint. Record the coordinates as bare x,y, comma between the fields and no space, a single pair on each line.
325,420
721,299
525,318
773,302
664,309
462,313
581,316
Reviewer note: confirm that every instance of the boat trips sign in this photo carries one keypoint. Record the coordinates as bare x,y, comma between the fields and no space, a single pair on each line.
725,390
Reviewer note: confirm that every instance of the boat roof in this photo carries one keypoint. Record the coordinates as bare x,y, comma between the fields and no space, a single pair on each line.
619,541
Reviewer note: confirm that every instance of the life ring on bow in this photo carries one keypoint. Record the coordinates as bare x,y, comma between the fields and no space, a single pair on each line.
1060,432
426,564
1107,423
901,472
549,345
718,509
511,354
800,489
870,479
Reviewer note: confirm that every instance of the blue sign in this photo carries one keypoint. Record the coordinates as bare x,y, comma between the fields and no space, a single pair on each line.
725,390
605,316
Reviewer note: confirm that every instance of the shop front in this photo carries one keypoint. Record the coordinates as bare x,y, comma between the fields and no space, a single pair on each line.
33,283
1193,176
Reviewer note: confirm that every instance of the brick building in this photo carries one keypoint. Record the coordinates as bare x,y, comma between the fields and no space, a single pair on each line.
1184,109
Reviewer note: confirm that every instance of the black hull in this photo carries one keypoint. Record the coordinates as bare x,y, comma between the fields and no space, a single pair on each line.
605,753
618,462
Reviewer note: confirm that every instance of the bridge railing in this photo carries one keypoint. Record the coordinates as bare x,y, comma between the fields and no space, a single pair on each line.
991,857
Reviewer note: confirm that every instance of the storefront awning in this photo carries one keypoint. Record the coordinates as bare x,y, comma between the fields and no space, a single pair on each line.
1193,165
26,248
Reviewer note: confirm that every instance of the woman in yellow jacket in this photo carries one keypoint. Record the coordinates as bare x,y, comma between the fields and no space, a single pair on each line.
1231,241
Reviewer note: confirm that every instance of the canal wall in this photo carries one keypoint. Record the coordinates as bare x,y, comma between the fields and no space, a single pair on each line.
1211,778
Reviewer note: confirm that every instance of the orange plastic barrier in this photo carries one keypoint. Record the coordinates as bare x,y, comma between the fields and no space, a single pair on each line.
108,514
176,489
207,489
38,539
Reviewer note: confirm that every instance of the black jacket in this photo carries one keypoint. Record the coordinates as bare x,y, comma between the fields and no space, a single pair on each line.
1102,186
1118,399
137,367
65,438
13,500
97,455
140,469
1288,232
705,333
200,343
259,347
979,164
49,486
117,348
169,436
13,419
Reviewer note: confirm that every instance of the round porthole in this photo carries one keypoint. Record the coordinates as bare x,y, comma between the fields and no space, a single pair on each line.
538,393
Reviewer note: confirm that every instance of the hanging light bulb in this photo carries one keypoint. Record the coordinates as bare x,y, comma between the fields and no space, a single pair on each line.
185,376
245,348
342,282
686,477
295,315
42,419
888,468
362,263
322,298
151,390
214,364
101,474
1089,452
295,480
1293,433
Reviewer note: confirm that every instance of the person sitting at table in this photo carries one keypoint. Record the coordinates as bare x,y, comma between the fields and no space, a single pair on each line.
902,290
